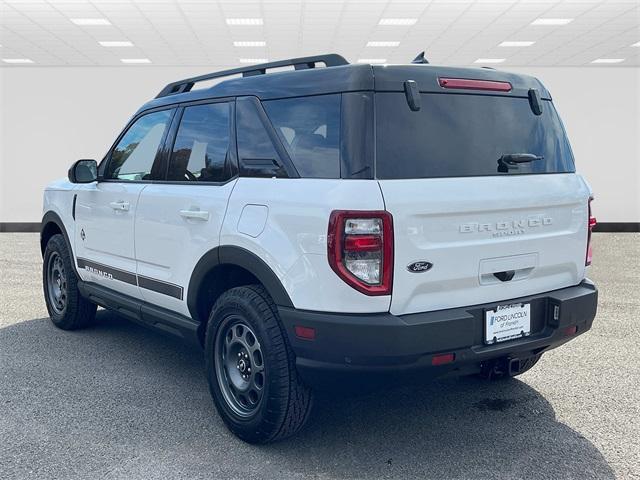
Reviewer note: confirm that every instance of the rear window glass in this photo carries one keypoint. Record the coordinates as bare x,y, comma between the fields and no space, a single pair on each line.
458,135
309,128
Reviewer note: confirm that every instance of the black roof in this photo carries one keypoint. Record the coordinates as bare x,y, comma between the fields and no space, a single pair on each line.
338,76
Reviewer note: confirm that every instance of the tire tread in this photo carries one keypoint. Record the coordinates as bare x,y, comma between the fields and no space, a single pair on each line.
80,312
293,399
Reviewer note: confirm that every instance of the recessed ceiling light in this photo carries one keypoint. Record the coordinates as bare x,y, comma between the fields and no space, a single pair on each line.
490,60
116,44
135,60
516,44
254,60
90,21
383,44
245,21
17,60
250,44
637,44
551,21
372,60
397,21
608,60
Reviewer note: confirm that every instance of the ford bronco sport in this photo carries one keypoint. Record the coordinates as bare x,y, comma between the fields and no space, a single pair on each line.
338,220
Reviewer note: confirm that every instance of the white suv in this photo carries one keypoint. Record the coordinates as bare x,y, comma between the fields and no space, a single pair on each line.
320,223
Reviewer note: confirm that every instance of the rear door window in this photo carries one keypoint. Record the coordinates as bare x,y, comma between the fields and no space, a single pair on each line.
459,135
309,128
201,149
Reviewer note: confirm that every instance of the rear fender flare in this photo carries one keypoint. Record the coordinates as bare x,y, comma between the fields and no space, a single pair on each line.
241,257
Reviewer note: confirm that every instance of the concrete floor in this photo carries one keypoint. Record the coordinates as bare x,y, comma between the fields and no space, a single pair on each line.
119,401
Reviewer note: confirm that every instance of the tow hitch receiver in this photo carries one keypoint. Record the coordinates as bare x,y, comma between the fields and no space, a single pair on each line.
507,366
514,366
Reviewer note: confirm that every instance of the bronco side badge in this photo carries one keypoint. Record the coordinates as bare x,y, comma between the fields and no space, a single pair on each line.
419,267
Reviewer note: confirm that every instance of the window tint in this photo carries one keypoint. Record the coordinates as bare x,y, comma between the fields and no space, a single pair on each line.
464,135
133,156
309,128
201,149
257,154
356,142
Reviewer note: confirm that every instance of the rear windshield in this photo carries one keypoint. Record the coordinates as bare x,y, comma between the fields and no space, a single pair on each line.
460,135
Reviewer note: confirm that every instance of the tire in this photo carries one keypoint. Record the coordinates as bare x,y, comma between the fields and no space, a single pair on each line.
68,310
270,403
499,370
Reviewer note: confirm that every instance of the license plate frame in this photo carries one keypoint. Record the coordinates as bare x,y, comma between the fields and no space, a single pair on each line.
507,322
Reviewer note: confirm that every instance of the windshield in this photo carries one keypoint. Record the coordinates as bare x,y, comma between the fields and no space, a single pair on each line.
459,135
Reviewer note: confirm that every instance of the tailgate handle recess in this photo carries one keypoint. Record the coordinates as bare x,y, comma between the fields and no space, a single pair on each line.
505,276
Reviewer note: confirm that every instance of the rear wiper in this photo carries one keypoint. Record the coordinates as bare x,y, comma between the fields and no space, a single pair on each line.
515,159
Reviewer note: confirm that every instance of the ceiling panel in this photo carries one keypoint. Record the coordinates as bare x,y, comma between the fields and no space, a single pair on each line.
195,32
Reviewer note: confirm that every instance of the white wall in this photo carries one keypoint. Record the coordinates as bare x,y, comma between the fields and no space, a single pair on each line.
600,108
50,117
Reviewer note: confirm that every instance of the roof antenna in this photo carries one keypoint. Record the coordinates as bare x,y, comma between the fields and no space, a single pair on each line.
420,59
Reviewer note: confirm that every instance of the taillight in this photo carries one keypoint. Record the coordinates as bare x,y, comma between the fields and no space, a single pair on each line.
360,249
592,223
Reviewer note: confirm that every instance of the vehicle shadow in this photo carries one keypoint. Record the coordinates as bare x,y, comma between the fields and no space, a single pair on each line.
120,401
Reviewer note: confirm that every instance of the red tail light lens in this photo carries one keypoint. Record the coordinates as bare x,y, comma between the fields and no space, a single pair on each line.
469,84
592,223
360,249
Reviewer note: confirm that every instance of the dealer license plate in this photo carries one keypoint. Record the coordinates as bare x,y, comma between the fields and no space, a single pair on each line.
507,322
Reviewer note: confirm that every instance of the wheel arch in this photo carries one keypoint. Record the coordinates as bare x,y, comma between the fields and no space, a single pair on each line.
51,225
226,267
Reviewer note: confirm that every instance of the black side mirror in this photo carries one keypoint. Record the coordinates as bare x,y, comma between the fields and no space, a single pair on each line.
83,171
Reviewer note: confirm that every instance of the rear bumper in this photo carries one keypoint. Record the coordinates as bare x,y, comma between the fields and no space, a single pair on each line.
382,342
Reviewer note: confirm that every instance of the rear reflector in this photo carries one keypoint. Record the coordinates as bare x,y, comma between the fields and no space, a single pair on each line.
468,84
306,333
443,359
567,332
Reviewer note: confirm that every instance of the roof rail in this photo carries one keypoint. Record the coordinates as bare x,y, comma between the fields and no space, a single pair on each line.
301,63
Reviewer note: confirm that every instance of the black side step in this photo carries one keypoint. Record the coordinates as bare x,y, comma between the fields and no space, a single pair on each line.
143,313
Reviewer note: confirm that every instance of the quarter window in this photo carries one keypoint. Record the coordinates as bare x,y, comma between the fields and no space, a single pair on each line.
133,157
201,150
309,128
256,151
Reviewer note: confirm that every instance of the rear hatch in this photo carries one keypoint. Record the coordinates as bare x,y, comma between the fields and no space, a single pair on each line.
470,228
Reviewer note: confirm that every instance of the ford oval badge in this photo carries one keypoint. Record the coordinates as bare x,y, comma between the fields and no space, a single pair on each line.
419,267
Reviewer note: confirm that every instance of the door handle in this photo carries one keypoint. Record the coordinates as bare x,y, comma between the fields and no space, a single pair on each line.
120,206
195,214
